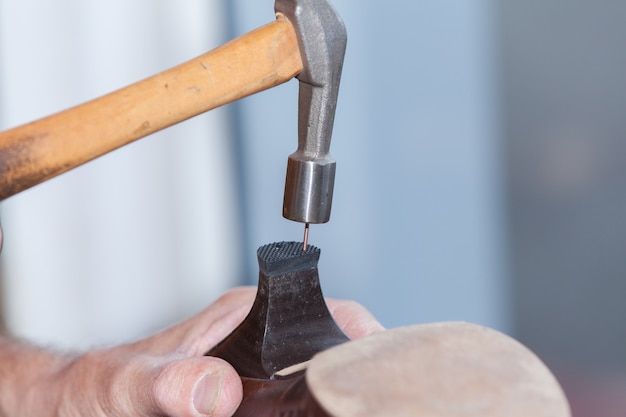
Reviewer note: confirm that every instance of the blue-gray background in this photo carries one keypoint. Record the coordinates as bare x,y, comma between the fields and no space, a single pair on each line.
417,226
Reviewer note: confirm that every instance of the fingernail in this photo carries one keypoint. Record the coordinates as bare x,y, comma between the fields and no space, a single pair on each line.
207,393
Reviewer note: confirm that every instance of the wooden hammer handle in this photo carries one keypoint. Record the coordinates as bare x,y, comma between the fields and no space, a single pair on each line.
37,151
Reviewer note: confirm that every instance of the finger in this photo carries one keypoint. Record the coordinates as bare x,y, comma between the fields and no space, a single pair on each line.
213,324
229,310
194,387
354,319
195,335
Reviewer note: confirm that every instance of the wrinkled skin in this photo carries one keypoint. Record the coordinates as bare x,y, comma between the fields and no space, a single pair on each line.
163,375
166,374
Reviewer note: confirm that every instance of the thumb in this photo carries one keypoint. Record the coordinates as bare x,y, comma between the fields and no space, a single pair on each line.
194,387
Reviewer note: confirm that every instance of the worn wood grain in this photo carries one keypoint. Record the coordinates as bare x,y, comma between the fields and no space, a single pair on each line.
37,151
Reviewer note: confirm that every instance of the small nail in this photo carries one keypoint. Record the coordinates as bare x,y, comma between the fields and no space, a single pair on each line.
207,393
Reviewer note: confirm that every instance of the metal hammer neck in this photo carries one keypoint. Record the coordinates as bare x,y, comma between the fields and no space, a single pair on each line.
322,40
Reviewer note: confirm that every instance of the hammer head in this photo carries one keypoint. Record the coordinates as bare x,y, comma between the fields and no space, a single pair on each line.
311,170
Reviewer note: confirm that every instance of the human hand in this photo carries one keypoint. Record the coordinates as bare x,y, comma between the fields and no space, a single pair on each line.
165,374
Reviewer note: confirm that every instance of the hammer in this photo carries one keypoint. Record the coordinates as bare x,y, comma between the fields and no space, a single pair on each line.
307,40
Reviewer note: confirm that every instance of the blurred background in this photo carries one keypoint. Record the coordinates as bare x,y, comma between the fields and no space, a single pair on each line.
481,169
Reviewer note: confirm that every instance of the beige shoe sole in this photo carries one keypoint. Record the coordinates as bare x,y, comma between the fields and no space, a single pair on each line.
435,370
